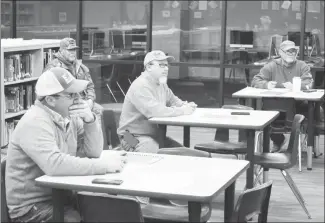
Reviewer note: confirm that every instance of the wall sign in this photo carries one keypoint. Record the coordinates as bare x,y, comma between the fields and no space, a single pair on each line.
62,16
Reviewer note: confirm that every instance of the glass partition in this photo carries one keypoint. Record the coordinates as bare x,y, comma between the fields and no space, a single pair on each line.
315,29
6,10
114,30
46,19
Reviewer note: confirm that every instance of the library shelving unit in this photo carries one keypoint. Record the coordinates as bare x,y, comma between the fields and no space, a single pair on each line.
22,62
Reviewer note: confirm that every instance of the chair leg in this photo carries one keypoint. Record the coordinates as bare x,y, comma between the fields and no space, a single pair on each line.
257,142
295,191
299,152
257,177
120,88
110,90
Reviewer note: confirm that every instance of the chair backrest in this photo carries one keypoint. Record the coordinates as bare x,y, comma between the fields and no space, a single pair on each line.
253,202
286,107
183,151
110,121
95,207
4,208
294,138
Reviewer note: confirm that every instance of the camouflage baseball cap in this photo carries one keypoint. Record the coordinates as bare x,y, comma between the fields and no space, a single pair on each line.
68,44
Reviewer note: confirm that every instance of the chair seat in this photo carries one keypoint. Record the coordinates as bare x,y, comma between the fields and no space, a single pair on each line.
279,161
160,210
223,147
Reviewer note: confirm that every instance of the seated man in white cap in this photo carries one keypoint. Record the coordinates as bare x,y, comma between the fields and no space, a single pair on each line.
67,59
149,96
45,141
279,74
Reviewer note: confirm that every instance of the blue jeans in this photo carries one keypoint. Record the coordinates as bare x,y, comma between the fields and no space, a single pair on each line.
43,212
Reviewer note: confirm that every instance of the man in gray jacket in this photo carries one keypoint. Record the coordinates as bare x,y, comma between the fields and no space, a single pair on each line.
57,136
149,96
279,74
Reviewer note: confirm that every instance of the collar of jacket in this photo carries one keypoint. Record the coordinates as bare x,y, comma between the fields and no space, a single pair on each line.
56,117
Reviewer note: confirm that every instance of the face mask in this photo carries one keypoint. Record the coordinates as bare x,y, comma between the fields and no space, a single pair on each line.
162,80
289,59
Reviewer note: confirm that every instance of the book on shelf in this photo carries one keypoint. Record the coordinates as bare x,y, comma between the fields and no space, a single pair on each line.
18,67
18,98
48,55
9,127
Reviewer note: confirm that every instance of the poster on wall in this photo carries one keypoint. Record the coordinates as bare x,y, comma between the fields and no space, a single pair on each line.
275,5
166,13
264,5
298,16
62,16
213,4
296,6
313,6
203,5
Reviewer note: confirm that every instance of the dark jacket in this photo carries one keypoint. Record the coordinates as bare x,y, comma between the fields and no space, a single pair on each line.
78,70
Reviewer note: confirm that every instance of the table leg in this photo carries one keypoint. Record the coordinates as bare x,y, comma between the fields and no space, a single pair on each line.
162,135
241,101
194,211
186,136
58,205
317,119
266,149
229,202
250,158
310,131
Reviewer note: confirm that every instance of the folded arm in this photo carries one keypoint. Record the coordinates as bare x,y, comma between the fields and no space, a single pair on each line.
149,106
41,146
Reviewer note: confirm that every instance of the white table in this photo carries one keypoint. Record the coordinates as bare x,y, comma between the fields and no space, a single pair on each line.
313,98
161,176
222,118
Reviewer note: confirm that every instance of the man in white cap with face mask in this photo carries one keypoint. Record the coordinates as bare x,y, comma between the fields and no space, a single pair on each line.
279,74
149,96
57,136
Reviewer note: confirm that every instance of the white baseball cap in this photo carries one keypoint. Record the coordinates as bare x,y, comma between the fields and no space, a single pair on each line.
287,44
56,80
156,55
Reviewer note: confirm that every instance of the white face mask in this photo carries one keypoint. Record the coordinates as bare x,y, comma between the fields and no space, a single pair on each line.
162,80
289,59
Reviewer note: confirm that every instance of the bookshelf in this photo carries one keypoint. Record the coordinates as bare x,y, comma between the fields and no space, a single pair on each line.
22,62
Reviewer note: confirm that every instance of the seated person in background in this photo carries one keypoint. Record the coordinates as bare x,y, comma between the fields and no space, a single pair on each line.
67,59
278,74
149,96
45,142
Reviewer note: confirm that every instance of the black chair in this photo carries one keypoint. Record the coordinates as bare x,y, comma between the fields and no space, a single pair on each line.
286,160
4,208
221,143
163,210
108,208
253,202
282,125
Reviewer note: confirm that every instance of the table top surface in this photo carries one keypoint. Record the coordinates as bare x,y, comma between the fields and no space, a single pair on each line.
220,118
156,175
251,92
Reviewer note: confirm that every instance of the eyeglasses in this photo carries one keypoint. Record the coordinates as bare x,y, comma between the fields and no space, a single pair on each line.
163,65
69,96
290,52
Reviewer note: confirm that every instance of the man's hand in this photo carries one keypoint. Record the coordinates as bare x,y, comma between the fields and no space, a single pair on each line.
287,85
81,108
190,104
115,161
90,103
271,84
188,109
